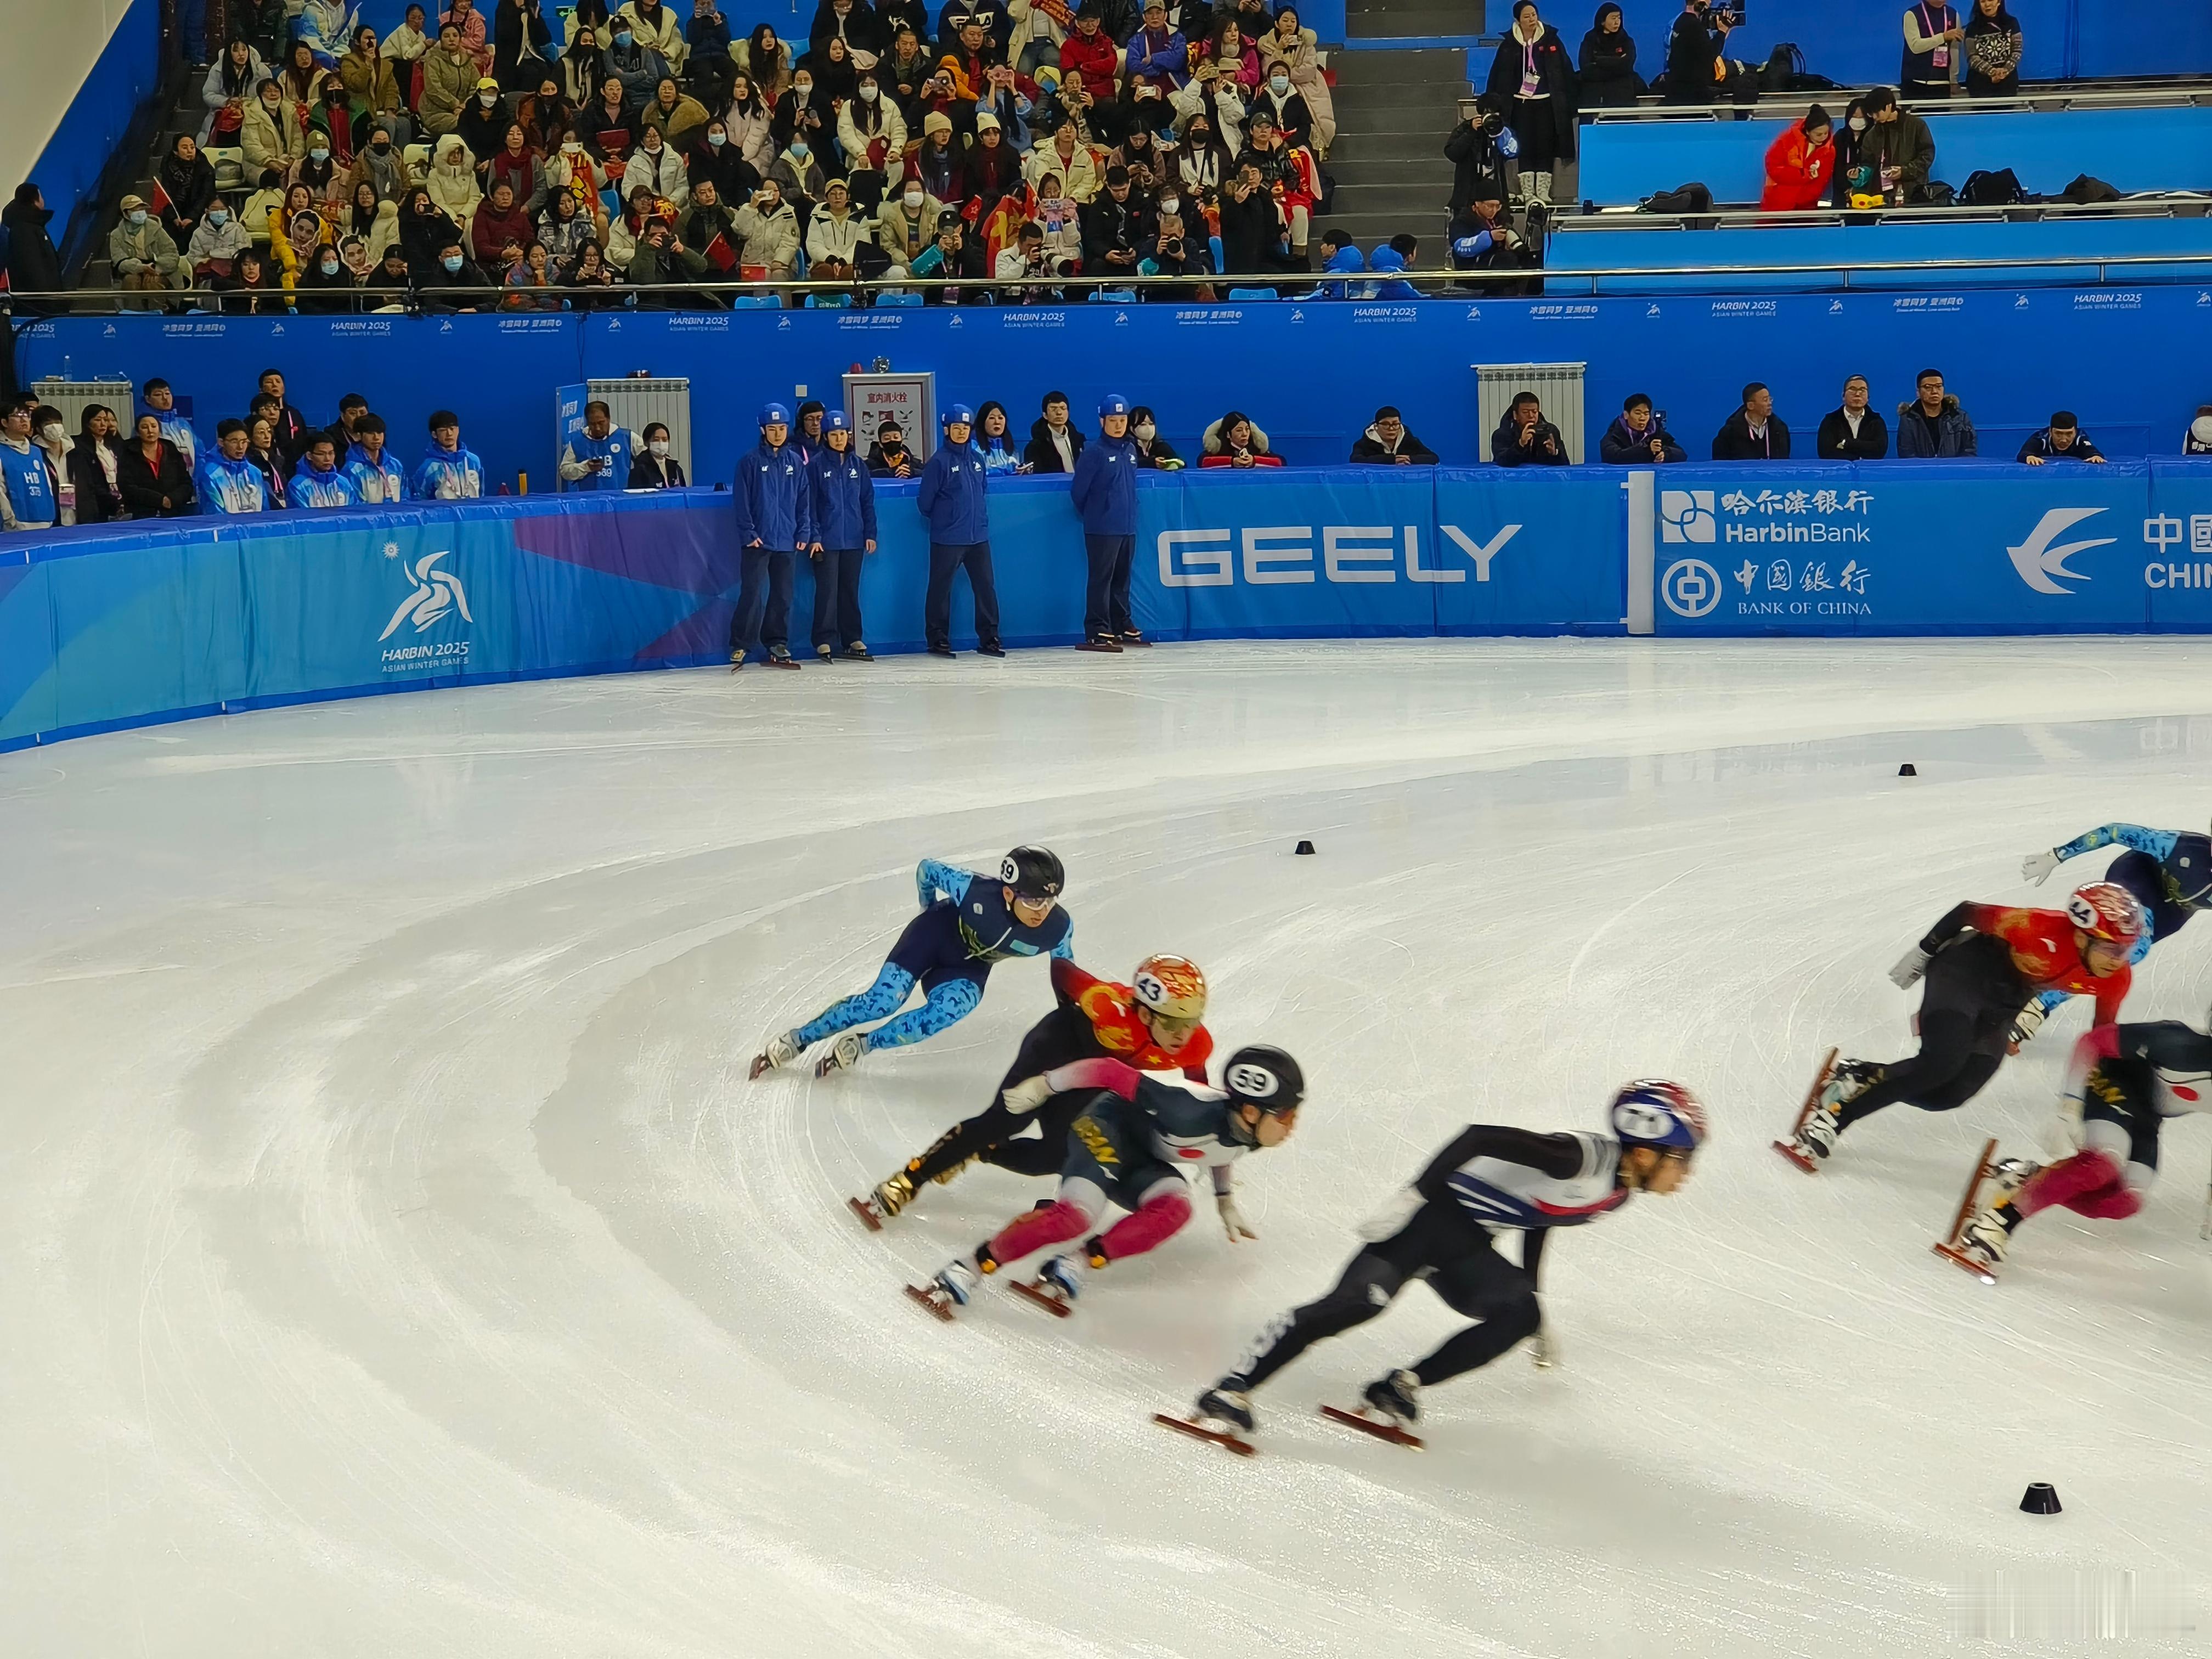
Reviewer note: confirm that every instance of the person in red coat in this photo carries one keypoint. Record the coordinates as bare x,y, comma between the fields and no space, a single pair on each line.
1800,165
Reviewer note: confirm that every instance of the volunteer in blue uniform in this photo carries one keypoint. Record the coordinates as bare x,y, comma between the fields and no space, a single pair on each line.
776,519
844,534
951,501
1104,493
599,457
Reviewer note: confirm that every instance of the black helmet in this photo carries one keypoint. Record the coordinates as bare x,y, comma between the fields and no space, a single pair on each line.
1032,873
1260,1074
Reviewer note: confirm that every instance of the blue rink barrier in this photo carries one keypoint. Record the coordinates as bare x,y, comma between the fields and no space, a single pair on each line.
1932,547
132,625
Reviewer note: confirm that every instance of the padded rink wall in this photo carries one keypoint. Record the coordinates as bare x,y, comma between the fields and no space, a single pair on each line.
132,625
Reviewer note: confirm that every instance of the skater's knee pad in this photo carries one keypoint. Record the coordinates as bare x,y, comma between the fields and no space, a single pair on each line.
1039,1228
1087,1197
1160,1215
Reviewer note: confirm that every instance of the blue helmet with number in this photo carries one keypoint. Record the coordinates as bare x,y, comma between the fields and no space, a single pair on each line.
775,414
959,415
1653,1112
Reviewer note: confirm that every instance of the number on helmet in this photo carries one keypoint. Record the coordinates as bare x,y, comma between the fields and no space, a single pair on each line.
1250,1082
1009,872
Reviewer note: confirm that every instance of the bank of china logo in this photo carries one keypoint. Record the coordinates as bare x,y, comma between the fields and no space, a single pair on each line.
2038,560
1691,587
1250,1082
437,594
1687,515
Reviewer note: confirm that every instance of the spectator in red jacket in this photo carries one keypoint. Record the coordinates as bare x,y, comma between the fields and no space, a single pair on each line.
1089,52
1800,165
501,229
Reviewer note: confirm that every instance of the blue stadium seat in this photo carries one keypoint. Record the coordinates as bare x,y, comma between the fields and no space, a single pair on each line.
1253,294
755,303
898,297
1123,296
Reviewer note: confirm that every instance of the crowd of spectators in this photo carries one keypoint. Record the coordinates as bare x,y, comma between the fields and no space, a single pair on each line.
660,144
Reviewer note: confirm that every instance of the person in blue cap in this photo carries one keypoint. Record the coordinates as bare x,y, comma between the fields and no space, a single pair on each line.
1105,497
951,501
775,520
844,503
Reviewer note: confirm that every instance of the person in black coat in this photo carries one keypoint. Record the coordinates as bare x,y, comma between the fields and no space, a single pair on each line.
1251,226
151,477
34,267
1387,442
1048,432
99,499
1854,432
1525,438
1607,66
1754,432
1533,79
1693,53
1639,438
1478,168
653,467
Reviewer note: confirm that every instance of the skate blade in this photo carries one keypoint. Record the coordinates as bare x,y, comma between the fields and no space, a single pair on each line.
1050,1301
826,1065
762,1065
936,1301
868,1217
1197,1431
1373,1426
1960,1260
1810,1166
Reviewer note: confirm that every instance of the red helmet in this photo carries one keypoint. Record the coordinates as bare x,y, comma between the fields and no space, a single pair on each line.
2106,910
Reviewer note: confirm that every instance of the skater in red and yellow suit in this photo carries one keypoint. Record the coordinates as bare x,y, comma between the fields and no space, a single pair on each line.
1982,962
1150,1024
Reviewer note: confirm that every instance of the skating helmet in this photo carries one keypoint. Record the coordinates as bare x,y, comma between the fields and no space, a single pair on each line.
1260,1074
1032,873
1170,986
1653,1112
775,414
834,421
2106,910
959,415
1113,403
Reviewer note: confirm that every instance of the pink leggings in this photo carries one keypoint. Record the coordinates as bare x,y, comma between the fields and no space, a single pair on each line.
2091,1183
1160,1218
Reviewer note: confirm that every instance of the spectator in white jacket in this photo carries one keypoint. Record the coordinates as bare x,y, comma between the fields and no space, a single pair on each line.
834,234
660,168
871,132
228,90
409,42
1037,36
771,230
655,25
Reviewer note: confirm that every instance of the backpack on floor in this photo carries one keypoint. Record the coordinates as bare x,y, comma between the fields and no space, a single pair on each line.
1991,190
2084,189
1684,200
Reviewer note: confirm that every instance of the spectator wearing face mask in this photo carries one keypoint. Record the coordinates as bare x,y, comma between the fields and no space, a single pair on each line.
843,516
599,458
719,161
872,133
142,256
655,466
906,225
1286,44
888,456
30,487
639,68
445,285
800,183
377,478
1293,117
228,483
1154,452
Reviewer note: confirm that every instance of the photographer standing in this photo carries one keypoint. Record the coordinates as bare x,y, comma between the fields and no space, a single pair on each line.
1693,53
1104,493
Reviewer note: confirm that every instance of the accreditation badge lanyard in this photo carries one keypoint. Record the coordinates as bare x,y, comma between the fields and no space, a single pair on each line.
1941,57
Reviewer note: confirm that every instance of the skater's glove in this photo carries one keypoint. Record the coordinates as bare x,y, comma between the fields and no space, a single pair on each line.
1543,1349
1028,1095
1232,1218
2027,1021
2037,868
1910,967
2063,1136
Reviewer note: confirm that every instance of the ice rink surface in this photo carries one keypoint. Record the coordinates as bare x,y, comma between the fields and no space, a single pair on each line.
398,1262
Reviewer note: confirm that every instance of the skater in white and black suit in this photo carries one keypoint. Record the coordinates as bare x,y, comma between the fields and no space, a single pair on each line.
1443,1229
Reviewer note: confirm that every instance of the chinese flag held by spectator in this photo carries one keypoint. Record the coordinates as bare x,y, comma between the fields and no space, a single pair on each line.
721,255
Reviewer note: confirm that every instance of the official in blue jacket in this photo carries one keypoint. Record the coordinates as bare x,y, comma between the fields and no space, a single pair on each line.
951,499
1105,496
844,534
599,457
775,520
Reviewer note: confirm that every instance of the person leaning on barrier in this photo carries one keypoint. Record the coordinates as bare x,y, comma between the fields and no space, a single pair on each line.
653,467
1525,438
1852,432
2062,441
1754,432
1932,426
1388,443
1800,165
1639,437
951,499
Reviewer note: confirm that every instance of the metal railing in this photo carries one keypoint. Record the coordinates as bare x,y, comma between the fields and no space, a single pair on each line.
2048,96
1294,288
2178,205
